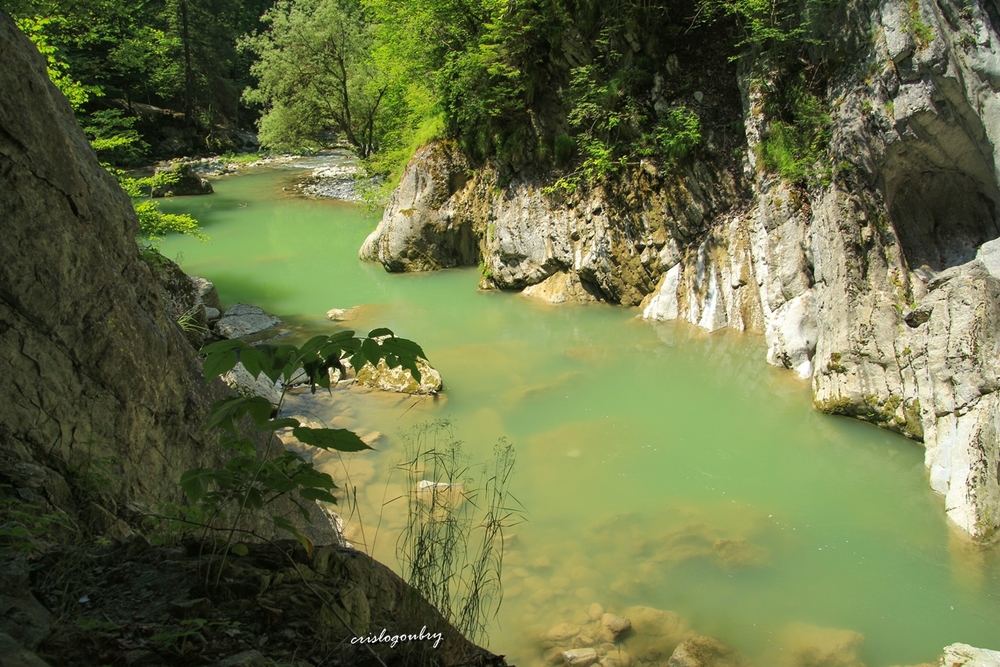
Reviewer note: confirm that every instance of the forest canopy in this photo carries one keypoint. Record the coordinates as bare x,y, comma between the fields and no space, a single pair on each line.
584,87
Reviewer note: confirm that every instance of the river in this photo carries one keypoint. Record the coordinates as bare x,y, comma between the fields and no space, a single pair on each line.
658,465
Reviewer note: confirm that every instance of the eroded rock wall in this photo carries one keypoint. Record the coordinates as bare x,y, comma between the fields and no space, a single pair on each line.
97,385
880,283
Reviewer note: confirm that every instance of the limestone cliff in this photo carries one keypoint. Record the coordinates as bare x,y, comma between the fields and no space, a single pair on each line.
868,283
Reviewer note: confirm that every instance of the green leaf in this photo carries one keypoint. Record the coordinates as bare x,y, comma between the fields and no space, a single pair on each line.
275,424
403,347
195,483
228,412
339,439
377,333
250,359
240,549
218,363
221,346
260,409
317,494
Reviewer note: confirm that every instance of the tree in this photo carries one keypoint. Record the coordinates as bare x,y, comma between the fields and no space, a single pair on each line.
317,75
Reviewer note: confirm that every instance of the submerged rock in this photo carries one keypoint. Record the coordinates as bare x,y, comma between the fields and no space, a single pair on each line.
699,651
736,553
562,632
243,320
615,626
580,657
440,494
807,645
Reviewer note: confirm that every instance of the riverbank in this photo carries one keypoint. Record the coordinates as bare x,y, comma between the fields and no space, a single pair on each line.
328,174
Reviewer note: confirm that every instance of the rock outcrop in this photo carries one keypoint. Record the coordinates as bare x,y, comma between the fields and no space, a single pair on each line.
91,366
879,283
419,230
184,180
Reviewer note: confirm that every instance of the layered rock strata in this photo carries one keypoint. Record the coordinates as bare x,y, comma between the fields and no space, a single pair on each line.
879,283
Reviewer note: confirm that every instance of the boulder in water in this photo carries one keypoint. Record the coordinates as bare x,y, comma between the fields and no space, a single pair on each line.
243,320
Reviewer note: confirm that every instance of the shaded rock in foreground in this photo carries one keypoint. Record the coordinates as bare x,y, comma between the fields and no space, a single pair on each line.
276,600
91,365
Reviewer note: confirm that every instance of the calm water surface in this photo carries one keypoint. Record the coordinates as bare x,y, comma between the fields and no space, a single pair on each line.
659,466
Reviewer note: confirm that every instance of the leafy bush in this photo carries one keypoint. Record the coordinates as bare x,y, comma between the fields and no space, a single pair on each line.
798,132
251,481
678,133
114,138
564,148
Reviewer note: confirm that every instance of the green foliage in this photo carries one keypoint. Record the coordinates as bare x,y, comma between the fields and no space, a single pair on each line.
772,28
25,528
37,29
154,224
177,54
564,149
798,131
317,74
252,481
678,133
113,137
922,33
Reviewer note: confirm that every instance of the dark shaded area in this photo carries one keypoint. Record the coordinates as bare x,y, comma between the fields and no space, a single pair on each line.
942,217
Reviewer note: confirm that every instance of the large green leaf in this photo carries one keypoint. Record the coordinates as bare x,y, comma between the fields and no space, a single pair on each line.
317,494
275,424
218,363
221,346
339,439
195,483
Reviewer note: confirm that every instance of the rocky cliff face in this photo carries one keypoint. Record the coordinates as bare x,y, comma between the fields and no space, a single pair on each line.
880,286
94,377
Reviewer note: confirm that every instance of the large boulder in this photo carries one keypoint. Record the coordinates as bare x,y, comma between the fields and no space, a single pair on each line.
418,231
93,368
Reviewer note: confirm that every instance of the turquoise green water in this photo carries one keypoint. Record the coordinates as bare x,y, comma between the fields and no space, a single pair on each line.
641,450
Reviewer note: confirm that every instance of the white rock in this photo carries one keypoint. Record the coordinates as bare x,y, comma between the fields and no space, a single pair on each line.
244,384
963,655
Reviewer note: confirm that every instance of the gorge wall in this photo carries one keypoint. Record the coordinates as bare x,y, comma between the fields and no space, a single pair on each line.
881,284
92,372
